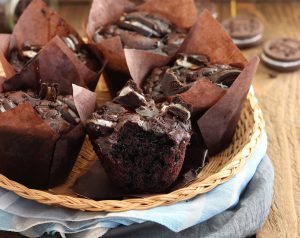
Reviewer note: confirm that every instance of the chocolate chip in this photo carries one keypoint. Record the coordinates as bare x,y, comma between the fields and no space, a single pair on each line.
69,116
225,77
130,96
171,85
177,108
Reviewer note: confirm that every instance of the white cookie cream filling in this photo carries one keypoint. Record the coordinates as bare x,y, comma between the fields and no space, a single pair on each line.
247,41
128,90
70,43
280,64
2,109
29,53
144,27
186,64
102,122
179,106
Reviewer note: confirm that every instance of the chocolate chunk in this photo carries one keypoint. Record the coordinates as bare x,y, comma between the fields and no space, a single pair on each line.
178,108
170,84
191,61
100,127
130,97
222,74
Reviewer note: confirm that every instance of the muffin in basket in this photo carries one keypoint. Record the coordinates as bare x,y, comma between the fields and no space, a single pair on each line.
158,27
41,134
36,28
44,97
141,144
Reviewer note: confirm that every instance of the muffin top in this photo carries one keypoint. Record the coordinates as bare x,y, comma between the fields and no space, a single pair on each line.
184,72
133,107
145,31
58,111
18,58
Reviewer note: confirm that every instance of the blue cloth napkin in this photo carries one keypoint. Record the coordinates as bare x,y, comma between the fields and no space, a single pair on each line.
33,219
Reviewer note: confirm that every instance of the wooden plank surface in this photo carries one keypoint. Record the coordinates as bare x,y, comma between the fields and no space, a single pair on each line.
280,101
279,98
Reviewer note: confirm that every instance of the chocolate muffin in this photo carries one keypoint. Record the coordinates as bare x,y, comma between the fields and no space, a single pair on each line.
40,136
144,31
36,29
18,58
141,144
184,73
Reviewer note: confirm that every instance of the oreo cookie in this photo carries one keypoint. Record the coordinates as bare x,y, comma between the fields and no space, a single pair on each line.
282,54
245,31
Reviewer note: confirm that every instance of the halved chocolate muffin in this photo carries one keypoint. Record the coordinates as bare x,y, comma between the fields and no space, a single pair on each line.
144,31
40,136
141,144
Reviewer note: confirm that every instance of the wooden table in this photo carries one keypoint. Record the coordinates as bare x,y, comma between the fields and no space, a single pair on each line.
279,97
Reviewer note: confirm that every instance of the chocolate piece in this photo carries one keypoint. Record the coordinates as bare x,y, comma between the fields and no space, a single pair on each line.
142,30
246,31
184,73
142,149
178,109
130,96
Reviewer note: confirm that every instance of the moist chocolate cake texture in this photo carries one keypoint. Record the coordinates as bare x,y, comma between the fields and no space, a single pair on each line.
184,72
145,31
141,144
59,112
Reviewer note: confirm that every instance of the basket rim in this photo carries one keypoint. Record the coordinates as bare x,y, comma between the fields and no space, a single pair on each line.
185,193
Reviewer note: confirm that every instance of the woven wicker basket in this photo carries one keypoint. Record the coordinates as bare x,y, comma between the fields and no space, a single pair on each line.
220,169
